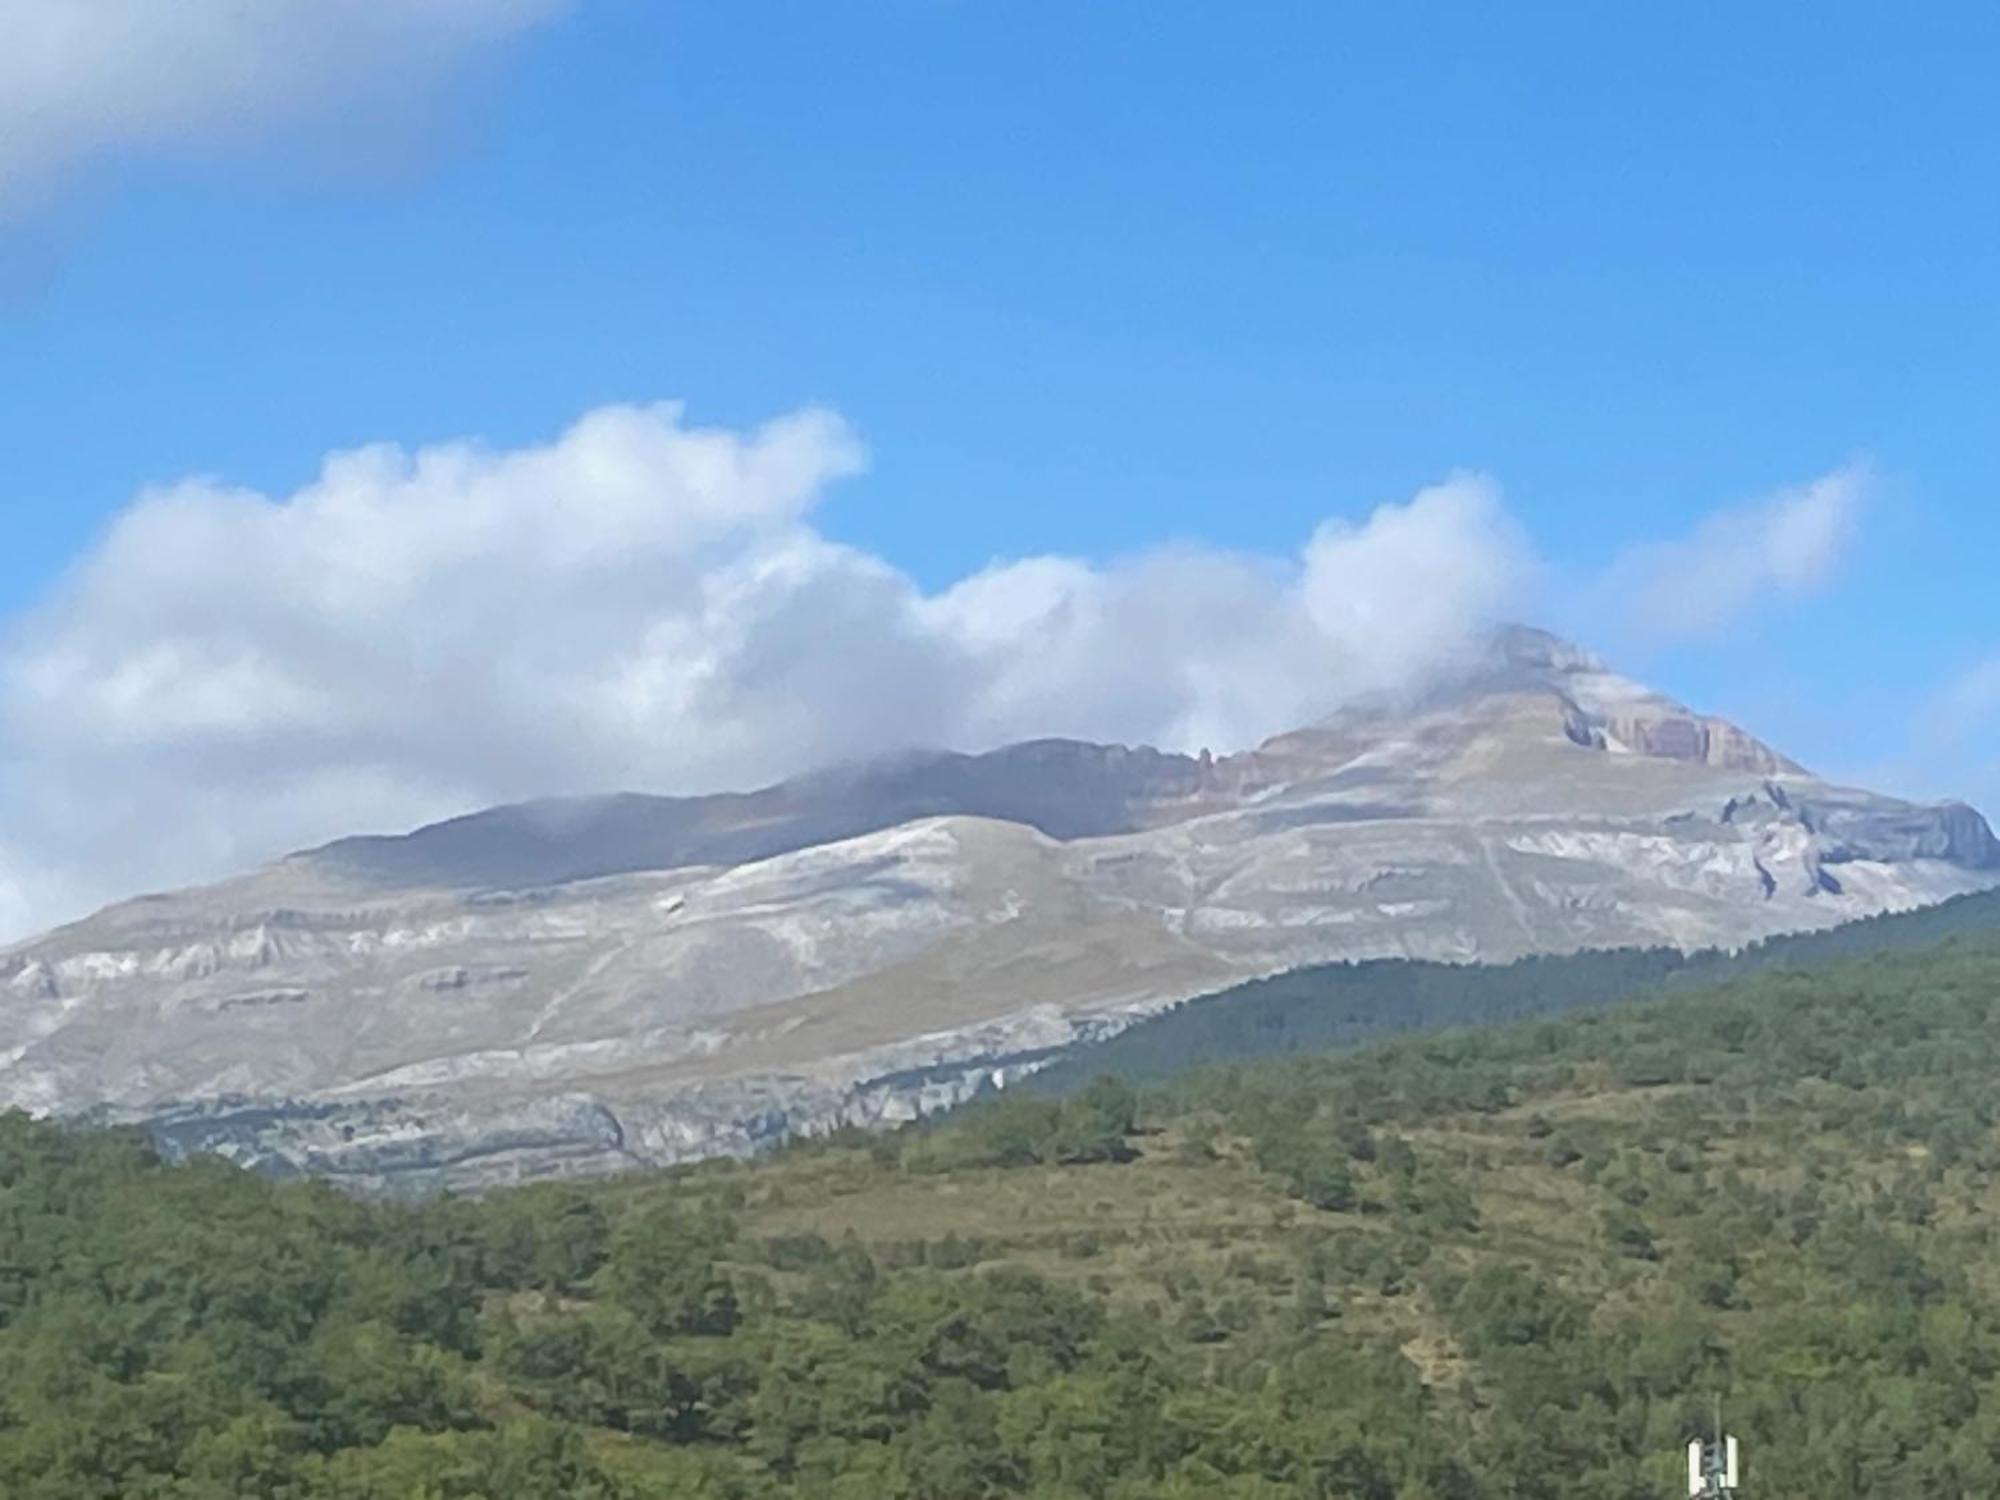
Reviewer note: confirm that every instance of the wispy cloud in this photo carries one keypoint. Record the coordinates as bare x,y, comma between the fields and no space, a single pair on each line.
1969,707
82,80
1736,562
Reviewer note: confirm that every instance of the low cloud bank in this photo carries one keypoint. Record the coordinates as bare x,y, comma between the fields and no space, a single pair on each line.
644,604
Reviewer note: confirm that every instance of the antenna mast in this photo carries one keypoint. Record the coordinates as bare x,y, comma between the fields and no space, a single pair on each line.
1714,1469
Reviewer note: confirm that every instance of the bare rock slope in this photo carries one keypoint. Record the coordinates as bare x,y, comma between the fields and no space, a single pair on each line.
576,986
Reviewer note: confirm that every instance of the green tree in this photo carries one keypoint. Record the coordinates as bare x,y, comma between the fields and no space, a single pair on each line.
663,1271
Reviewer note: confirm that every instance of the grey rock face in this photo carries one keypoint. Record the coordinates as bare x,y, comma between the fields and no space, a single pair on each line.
574,987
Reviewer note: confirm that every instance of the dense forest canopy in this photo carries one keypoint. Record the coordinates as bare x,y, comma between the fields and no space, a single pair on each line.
1342,1004
1499,1263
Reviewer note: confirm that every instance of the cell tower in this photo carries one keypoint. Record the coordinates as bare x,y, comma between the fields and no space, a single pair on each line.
1714,1472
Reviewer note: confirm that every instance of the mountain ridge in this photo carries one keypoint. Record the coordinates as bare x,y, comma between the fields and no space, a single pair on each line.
1112,788
569,986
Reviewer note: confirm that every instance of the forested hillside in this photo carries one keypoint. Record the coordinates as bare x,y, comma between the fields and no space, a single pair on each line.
1501,1263
1337,1005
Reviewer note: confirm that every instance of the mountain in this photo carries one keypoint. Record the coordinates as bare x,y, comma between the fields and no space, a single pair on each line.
574,986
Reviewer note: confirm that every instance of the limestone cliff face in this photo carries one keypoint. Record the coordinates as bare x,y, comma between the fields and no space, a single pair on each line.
1706,742
571,987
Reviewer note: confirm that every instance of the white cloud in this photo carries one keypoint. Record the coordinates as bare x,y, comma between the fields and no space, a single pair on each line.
1396,593
81,79
637,604
1737,561
1190,647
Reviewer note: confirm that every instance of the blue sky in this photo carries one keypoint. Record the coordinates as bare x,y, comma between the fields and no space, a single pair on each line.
1085,281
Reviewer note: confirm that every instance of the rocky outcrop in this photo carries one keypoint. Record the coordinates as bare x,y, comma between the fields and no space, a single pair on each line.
1702,741
402,1145
1850,828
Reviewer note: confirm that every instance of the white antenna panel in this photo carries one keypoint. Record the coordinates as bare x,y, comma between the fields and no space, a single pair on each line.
1695,1482
1730,1479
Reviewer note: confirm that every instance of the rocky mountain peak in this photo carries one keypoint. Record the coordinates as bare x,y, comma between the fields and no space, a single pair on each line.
1529,650
1523,685
1611,712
